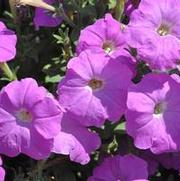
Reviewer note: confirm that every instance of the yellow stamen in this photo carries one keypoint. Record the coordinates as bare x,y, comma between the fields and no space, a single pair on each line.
95,84
108,46
163,30
24,115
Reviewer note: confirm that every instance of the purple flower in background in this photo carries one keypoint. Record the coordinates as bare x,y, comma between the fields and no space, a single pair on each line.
153,108
46,18
154,27
176,77
95,87
146,155
8,41
117,168
130,6
105,35
151,160
75,139
29,119
167,160
170,160
2,171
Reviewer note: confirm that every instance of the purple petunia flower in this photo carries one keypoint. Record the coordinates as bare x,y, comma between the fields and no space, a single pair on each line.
105,35
153,113
94,88
117,168
29,119
154,27
2,171
101,39
8,41
46,18
75,139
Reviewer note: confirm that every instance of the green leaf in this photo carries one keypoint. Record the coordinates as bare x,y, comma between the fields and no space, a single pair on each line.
120,127
119,9
112,4
113,146
53,79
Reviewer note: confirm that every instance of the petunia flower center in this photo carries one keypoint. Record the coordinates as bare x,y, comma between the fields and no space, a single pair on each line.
163,30
24,115
108,47
95,84
159,108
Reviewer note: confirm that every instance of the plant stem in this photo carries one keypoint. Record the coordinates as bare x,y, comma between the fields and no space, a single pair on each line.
40,166
8,72
60,12
12,5
119,9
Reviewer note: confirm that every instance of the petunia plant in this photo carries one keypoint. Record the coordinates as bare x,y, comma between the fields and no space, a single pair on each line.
89,90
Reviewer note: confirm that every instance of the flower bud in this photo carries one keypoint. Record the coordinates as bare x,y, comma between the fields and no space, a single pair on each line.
36,3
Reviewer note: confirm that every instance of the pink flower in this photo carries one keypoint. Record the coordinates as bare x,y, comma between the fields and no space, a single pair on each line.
105,35
117,168
154,31
29,119
153,113
75,139
8,41
95,87
46,18
2,171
